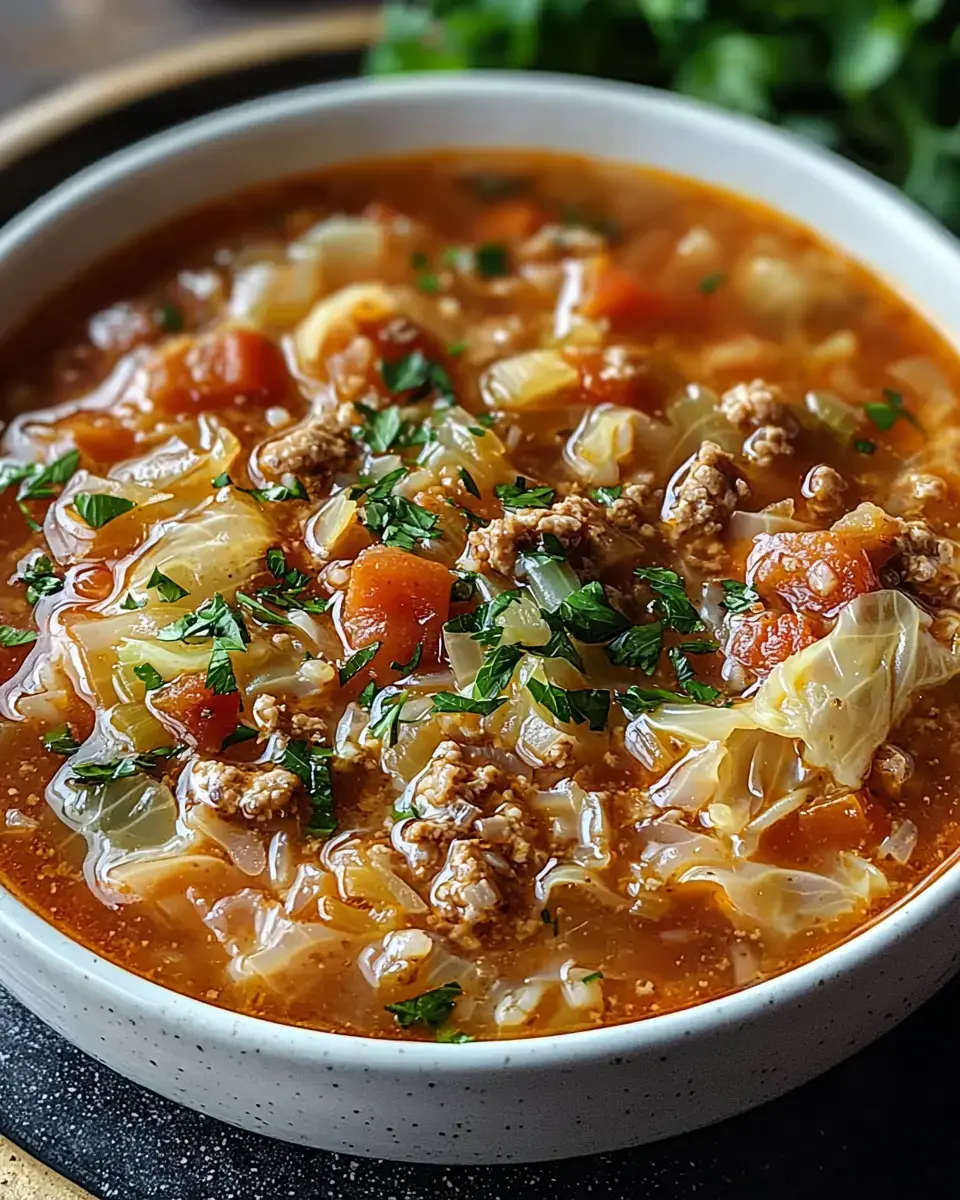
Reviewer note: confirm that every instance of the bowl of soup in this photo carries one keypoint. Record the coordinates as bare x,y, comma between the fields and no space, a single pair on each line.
480,613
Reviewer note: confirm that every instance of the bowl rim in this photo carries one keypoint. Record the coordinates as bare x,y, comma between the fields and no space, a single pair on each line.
206,1020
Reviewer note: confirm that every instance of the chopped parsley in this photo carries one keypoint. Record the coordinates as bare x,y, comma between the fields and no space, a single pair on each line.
429,1008
886,412
703,693
130,603
168,589
450,702
380,428
418,375
473,520
589,616
639,646
384,726
215,618
149,675
221,679
469,482
10,636
637,700
311,764
593,977
547,917
411,664
242,733
221,481
607,495
259,611
368,695
456,348
550,549
581,705
492,260
454,1037
40,579
671,602
100,508
864,446
61,741
38,483
398,521
496,671
356,662
738,597
709,283
93,774
169,318
289,488
286,593
517,495
558,645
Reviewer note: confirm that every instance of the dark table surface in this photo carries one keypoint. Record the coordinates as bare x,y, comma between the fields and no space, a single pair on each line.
879,1127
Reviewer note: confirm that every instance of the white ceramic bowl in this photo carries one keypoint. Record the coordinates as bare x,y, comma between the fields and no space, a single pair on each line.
546,1097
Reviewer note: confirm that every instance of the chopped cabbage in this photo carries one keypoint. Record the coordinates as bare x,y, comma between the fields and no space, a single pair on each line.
534,379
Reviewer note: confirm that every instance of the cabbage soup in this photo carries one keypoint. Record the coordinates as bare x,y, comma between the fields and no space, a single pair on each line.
476,596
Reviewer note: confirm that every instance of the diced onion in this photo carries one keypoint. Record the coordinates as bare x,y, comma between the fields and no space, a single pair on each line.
534,379
901,843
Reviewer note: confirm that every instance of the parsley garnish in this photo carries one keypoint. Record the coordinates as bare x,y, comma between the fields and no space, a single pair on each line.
411,664
638,646
169,318
636,700
384,727
464,587
220,674
738,597
242,733
150,676
429,1008
131,603
286,592
469,482
558,645
213,619
289,488
589,616
169,590
380,428
38,483
864,446
517,495
456,348
703,693
709,283
398,521
61,741
368,695
672,602
311,764
593,977
260,613
496,672
221,481
886,412
549,919
580,705
40,579
455,1037
450,702
100,508
473,520
356,662
417,374
10,636
607,495
91,774
492,260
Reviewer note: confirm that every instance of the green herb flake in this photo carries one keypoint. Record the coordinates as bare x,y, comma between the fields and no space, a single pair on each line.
221,481
311,764
149,676
411,664
589,616
593,977
40,483
289,488
381,427
93,774
213,619
492,260
450,702
864,446
385,726
356,662
607,495
220,675
453,1037
709,283
886,412
169,318
473,520
468,482
368,695
99,508
61,741
259,611
10,636
496,671
418,375
40,579
578,706
429,1008
464,587
242,733
672,602
517,495
130,603
638,700
738,597
455,349
639,646
169,590
702,693
547,917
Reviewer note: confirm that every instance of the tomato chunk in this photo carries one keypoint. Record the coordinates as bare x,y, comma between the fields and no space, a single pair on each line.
764,640
816,572
192,711
619,296
400,600
216,370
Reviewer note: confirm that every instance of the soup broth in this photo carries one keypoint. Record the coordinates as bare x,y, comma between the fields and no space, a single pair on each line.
474,597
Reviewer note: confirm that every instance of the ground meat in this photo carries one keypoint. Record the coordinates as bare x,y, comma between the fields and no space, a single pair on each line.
554,242
926,563
508,829
253,792
465,894
766,444
314,451
823,488
709,491
267,712
892,767
636,506
580,525
914,490
749,405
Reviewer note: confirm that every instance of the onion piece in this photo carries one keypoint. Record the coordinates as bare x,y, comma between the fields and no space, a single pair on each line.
901,843
534,379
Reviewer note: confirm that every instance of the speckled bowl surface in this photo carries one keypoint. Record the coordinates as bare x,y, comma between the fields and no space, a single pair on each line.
507,1101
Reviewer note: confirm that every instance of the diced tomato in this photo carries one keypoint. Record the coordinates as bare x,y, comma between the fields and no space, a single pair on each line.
215,371
764,640
508,221
400,600
816,572
619,296
192,711
637,381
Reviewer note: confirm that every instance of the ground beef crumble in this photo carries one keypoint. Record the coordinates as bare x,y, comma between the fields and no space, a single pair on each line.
315,450
824,490
708,492
253,792
750,405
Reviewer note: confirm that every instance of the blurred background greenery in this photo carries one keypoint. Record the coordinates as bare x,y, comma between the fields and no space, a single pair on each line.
876,80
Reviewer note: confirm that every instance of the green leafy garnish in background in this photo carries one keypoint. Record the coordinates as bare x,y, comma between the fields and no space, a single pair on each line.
872,79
